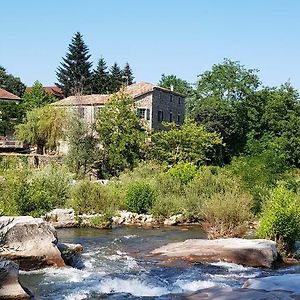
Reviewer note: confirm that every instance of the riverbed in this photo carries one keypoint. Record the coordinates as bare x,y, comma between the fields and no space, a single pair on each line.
116,264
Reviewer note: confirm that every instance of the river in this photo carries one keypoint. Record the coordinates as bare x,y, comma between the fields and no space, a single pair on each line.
116,264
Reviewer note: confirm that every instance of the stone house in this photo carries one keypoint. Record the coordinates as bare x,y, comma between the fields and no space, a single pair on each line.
153,104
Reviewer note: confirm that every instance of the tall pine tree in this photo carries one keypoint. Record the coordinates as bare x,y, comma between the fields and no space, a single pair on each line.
115,80
74,74
101,78
128,74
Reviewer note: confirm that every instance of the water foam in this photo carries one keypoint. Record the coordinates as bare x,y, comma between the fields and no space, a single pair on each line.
134,287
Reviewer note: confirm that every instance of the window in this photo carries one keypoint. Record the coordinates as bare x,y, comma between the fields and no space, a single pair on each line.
96,111
171,98
141,112
179,100
148,114
178,118
160,116
81,112
171,117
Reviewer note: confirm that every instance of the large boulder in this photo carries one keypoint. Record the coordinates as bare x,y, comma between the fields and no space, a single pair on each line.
285,282
226,293
10,288
62,218
70,253
31,242
254,253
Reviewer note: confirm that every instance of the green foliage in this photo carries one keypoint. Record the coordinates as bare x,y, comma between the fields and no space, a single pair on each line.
115,78
188,143
74,75
10,115
36,97
219,100
90,197
120,134
127,74
42,127
185,172
82,152
280,219
11,83
34,193
179,85
139,197
101,78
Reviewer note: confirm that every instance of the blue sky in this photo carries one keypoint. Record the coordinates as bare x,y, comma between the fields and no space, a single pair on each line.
155,36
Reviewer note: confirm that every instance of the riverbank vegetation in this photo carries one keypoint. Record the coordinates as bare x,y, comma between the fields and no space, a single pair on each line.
234,161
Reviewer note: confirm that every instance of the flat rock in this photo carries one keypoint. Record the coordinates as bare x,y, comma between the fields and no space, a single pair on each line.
30,242
285,282
219,293
253,253
62,218
10,287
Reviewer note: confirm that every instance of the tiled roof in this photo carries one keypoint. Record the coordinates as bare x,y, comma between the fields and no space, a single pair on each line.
5,95
52,90
134,90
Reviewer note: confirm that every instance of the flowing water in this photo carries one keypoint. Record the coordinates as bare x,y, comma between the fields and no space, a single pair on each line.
116,264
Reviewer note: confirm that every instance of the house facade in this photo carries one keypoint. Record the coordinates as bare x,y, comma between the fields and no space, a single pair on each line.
153,104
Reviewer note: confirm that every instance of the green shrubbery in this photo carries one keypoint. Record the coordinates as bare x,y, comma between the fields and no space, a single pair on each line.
280,219
28,192
139,197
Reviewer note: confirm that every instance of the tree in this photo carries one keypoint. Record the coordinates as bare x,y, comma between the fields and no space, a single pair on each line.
82,151
190,143
36,97
10,115
11,83
42,127
115,78
127,74
179,85
218,103
74,74
101,78
120,133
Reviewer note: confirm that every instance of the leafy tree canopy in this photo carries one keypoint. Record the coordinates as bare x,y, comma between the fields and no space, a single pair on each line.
74,75
42,127
120,133
101,78
179,85
187,143
11,83
36,97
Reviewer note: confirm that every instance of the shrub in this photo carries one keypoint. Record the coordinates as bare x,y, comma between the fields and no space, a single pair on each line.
280,219
139,197
185,172
90,197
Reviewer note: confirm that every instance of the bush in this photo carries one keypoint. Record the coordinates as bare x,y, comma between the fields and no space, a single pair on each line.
90,197
280,219
28,192
185,172
139,197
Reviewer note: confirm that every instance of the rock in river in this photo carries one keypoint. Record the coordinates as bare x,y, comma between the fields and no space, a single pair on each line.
253,253
30,242
10,288
62,218
285,282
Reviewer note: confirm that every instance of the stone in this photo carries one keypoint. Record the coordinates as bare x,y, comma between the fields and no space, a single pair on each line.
285,282
10,287
70,253
253,253
226,293
174,220
30,242
62,218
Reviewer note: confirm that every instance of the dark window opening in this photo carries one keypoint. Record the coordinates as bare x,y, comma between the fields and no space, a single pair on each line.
81,112
178,119
160,116
171,117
